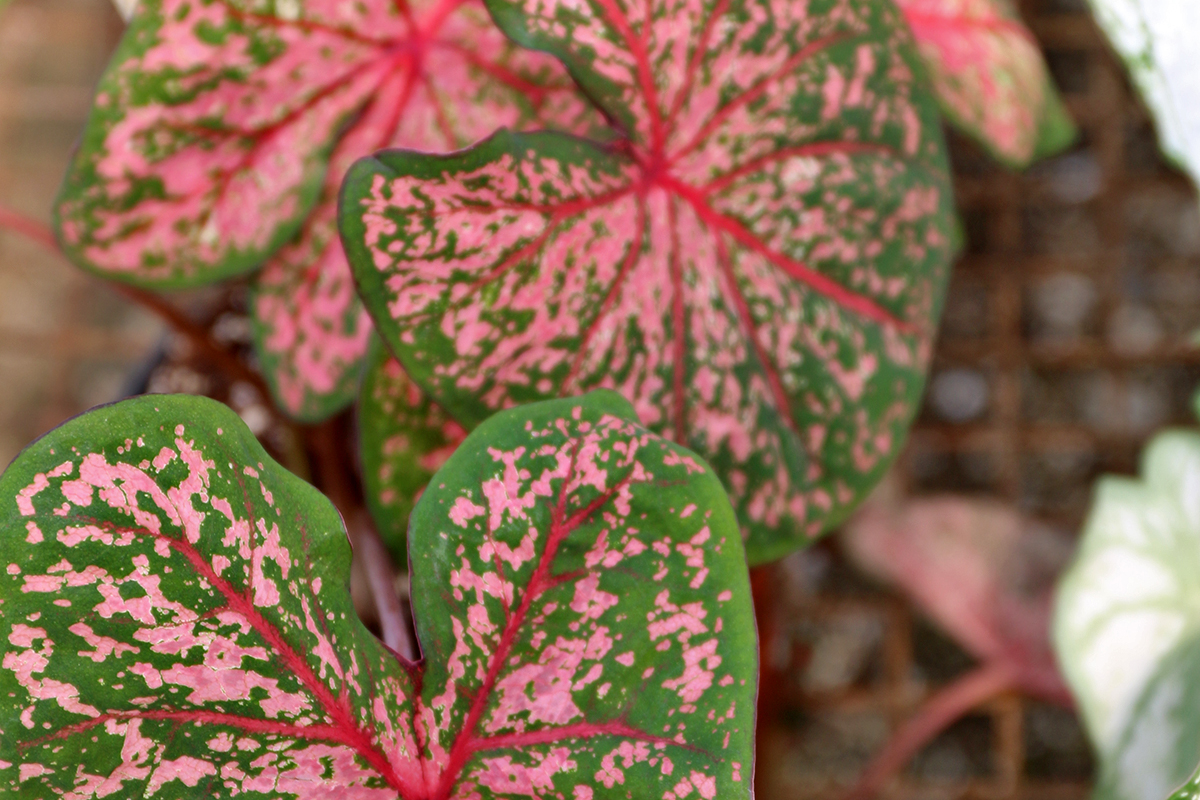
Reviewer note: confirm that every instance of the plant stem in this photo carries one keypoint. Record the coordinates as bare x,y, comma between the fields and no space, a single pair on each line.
156,304
334,479
377,562
935,715
28,227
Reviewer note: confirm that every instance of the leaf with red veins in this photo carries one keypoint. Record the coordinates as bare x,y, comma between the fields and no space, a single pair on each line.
758,267
222,131
404,438
177,622
587,580
990,76
469,81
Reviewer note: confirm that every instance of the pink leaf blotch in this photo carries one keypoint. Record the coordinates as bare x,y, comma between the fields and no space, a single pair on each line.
757,262
185,628
990,76
223,129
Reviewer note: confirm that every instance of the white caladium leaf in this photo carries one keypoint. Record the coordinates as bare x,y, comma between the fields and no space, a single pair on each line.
1127,623
125,8
1157,39
176,621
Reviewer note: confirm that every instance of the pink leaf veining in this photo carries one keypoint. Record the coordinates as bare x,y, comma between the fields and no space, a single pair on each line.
990,76
757,263
221,123
176,620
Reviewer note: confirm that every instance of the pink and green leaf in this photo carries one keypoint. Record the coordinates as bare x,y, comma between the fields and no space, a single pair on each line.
177,622
404,438
991,78
222,131
312,328
758,265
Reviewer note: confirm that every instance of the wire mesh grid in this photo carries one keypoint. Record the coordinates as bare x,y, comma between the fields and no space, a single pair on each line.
1064,345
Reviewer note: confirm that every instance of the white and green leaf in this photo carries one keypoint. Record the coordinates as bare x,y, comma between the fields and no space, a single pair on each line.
1157,40
1127,627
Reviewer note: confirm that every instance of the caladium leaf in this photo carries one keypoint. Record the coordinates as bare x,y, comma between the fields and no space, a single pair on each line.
404,438
312,328
1156,39
1127,623
990,77
980,570
211,135
177,621
758,265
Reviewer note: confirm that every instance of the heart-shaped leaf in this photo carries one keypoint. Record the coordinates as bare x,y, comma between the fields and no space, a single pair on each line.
404,438
1157,40
990,77
211,135
758,266
1127,623
177,622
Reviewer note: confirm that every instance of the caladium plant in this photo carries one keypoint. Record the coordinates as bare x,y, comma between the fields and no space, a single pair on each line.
1127,623
223,128
990,77
757,260
176,620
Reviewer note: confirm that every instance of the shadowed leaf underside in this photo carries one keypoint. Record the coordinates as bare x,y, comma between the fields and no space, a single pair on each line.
757,263
222,131
990,77
404,438
177,623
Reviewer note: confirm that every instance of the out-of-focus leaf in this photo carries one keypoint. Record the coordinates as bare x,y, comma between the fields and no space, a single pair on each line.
979,569
990,77
1127,623
1157,40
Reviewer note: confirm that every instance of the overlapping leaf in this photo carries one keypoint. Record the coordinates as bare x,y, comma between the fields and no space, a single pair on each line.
1127,623
1157,40
404,438
1190,790
177,623
220,123
990,76
758,265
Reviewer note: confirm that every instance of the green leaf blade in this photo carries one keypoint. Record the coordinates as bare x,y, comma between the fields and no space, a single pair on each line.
758,265
176,619
601,553
169,626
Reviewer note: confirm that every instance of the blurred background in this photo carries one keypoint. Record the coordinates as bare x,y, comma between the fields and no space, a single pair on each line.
1068,339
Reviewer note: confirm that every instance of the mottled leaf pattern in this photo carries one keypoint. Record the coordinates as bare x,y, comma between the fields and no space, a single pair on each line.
404,438
211,135
469,81
177,623
1127,623
1190,790
758,266
990,76
1157,40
